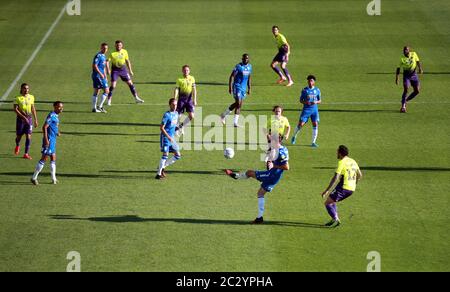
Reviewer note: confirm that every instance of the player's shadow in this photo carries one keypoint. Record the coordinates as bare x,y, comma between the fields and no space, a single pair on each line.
396,168
113,124
327,110
81,134
137,219
76,175
205,142
393,73
207,172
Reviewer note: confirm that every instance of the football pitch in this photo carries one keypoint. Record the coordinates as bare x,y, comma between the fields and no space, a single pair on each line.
109,208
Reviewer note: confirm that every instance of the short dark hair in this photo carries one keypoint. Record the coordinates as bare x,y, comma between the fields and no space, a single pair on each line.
343,150
119,41
57,102
277,106
23,85
186,66
172,100
104,44
275,26
310,76
245,55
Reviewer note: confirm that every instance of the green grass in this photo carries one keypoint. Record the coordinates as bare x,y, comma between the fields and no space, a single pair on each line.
109,208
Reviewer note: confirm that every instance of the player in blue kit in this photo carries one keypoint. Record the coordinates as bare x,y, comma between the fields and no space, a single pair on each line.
167,139
99,78
310,98
50,132
240,84
268,178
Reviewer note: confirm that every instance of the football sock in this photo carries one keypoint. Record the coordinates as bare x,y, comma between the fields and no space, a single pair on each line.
286,72
297,130
133,90
277,70
331,209
104,96
261,202
94,101
241,175
315,131
171,161
236,119
27,145
111,89
226,113
412,95
53,169
17,141
39,167
184,123
162,163
404,98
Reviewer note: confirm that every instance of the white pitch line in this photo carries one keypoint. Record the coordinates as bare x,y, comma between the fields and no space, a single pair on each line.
30,60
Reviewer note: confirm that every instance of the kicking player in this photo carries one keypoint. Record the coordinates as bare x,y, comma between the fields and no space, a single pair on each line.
310,98
167,139
26,116
348,174
278,131
99,78
239,83
268,178
50,133
282,57
186,92
409,62
119,63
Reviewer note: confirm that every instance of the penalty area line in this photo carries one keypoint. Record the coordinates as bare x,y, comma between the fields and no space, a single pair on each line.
33,55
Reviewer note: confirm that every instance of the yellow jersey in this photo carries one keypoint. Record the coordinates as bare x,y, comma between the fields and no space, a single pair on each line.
281,40
25,103
409,63
348,169
186,84
279,126
118,59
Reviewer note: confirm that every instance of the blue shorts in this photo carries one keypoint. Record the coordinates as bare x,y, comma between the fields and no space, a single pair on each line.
51,149
99,83
167,146
238,93
307,113
269,179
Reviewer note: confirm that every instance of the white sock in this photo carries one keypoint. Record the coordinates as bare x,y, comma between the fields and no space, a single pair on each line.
53,169
226,113
104,96
242,175
94,101
162,164
297,129
171,161
315,131
236,119
261,202
185,122
38,169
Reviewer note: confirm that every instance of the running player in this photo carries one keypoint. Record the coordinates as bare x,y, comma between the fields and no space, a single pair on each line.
99,78
50,133
348,174
239,83
409,62
186,92
26,117
282,57
310,98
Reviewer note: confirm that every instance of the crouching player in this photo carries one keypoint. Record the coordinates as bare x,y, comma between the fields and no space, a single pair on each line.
268,178
348,174
167,139
50,132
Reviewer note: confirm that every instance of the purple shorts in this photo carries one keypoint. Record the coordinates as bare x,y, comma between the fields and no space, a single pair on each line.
185,105
120,72
24,128
281,56
410,79
340,194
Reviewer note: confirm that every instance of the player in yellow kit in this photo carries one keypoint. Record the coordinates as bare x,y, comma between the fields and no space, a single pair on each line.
278,130
26,117
348,174
410,63
120,61
186,93
282,57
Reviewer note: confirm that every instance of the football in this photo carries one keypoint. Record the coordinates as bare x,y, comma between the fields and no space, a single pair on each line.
228,153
